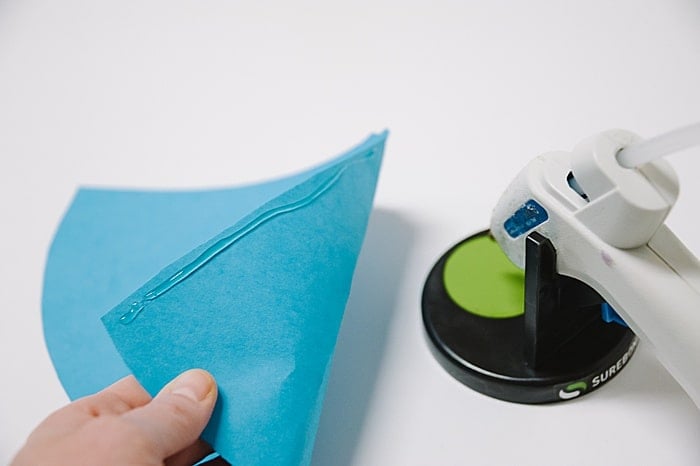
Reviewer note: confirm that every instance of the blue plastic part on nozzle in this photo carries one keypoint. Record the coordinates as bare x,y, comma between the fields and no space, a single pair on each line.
609,315
527,217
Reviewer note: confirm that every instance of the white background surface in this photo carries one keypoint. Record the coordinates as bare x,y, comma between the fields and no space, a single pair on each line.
202,94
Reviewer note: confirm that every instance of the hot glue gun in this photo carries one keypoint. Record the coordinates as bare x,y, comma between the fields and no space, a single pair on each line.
602,207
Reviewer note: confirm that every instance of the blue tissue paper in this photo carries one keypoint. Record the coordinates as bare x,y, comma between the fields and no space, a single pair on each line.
259,304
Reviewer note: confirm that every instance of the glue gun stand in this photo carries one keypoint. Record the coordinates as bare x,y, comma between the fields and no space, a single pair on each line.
558,349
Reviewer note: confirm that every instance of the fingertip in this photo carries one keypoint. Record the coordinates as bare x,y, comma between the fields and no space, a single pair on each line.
196,384
176,417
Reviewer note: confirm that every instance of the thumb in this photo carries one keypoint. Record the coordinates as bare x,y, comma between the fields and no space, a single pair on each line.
176,417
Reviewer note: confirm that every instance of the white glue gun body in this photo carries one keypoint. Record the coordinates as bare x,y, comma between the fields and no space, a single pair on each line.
606,223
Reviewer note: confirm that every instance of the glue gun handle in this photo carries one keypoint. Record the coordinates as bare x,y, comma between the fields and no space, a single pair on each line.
656,290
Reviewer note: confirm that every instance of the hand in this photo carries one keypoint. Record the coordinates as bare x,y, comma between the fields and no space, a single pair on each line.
122,425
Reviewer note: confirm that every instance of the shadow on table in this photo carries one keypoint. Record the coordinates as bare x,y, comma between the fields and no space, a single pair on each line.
360,348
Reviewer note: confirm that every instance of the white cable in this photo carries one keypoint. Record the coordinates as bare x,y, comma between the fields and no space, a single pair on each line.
654,148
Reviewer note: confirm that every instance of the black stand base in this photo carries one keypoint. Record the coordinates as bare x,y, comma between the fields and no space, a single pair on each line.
558,350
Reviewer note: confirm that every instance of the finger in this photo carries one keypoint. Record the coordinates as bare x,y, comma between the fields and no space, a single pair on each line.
129,390
122,396
176,417
190,455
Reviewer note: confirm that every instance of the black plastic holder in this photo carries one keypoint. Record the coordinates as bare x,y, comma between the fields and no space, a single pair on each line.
558,350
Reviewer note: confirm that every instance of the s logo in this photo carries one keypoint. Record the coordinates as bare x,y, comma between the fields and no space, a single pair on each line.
573,390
